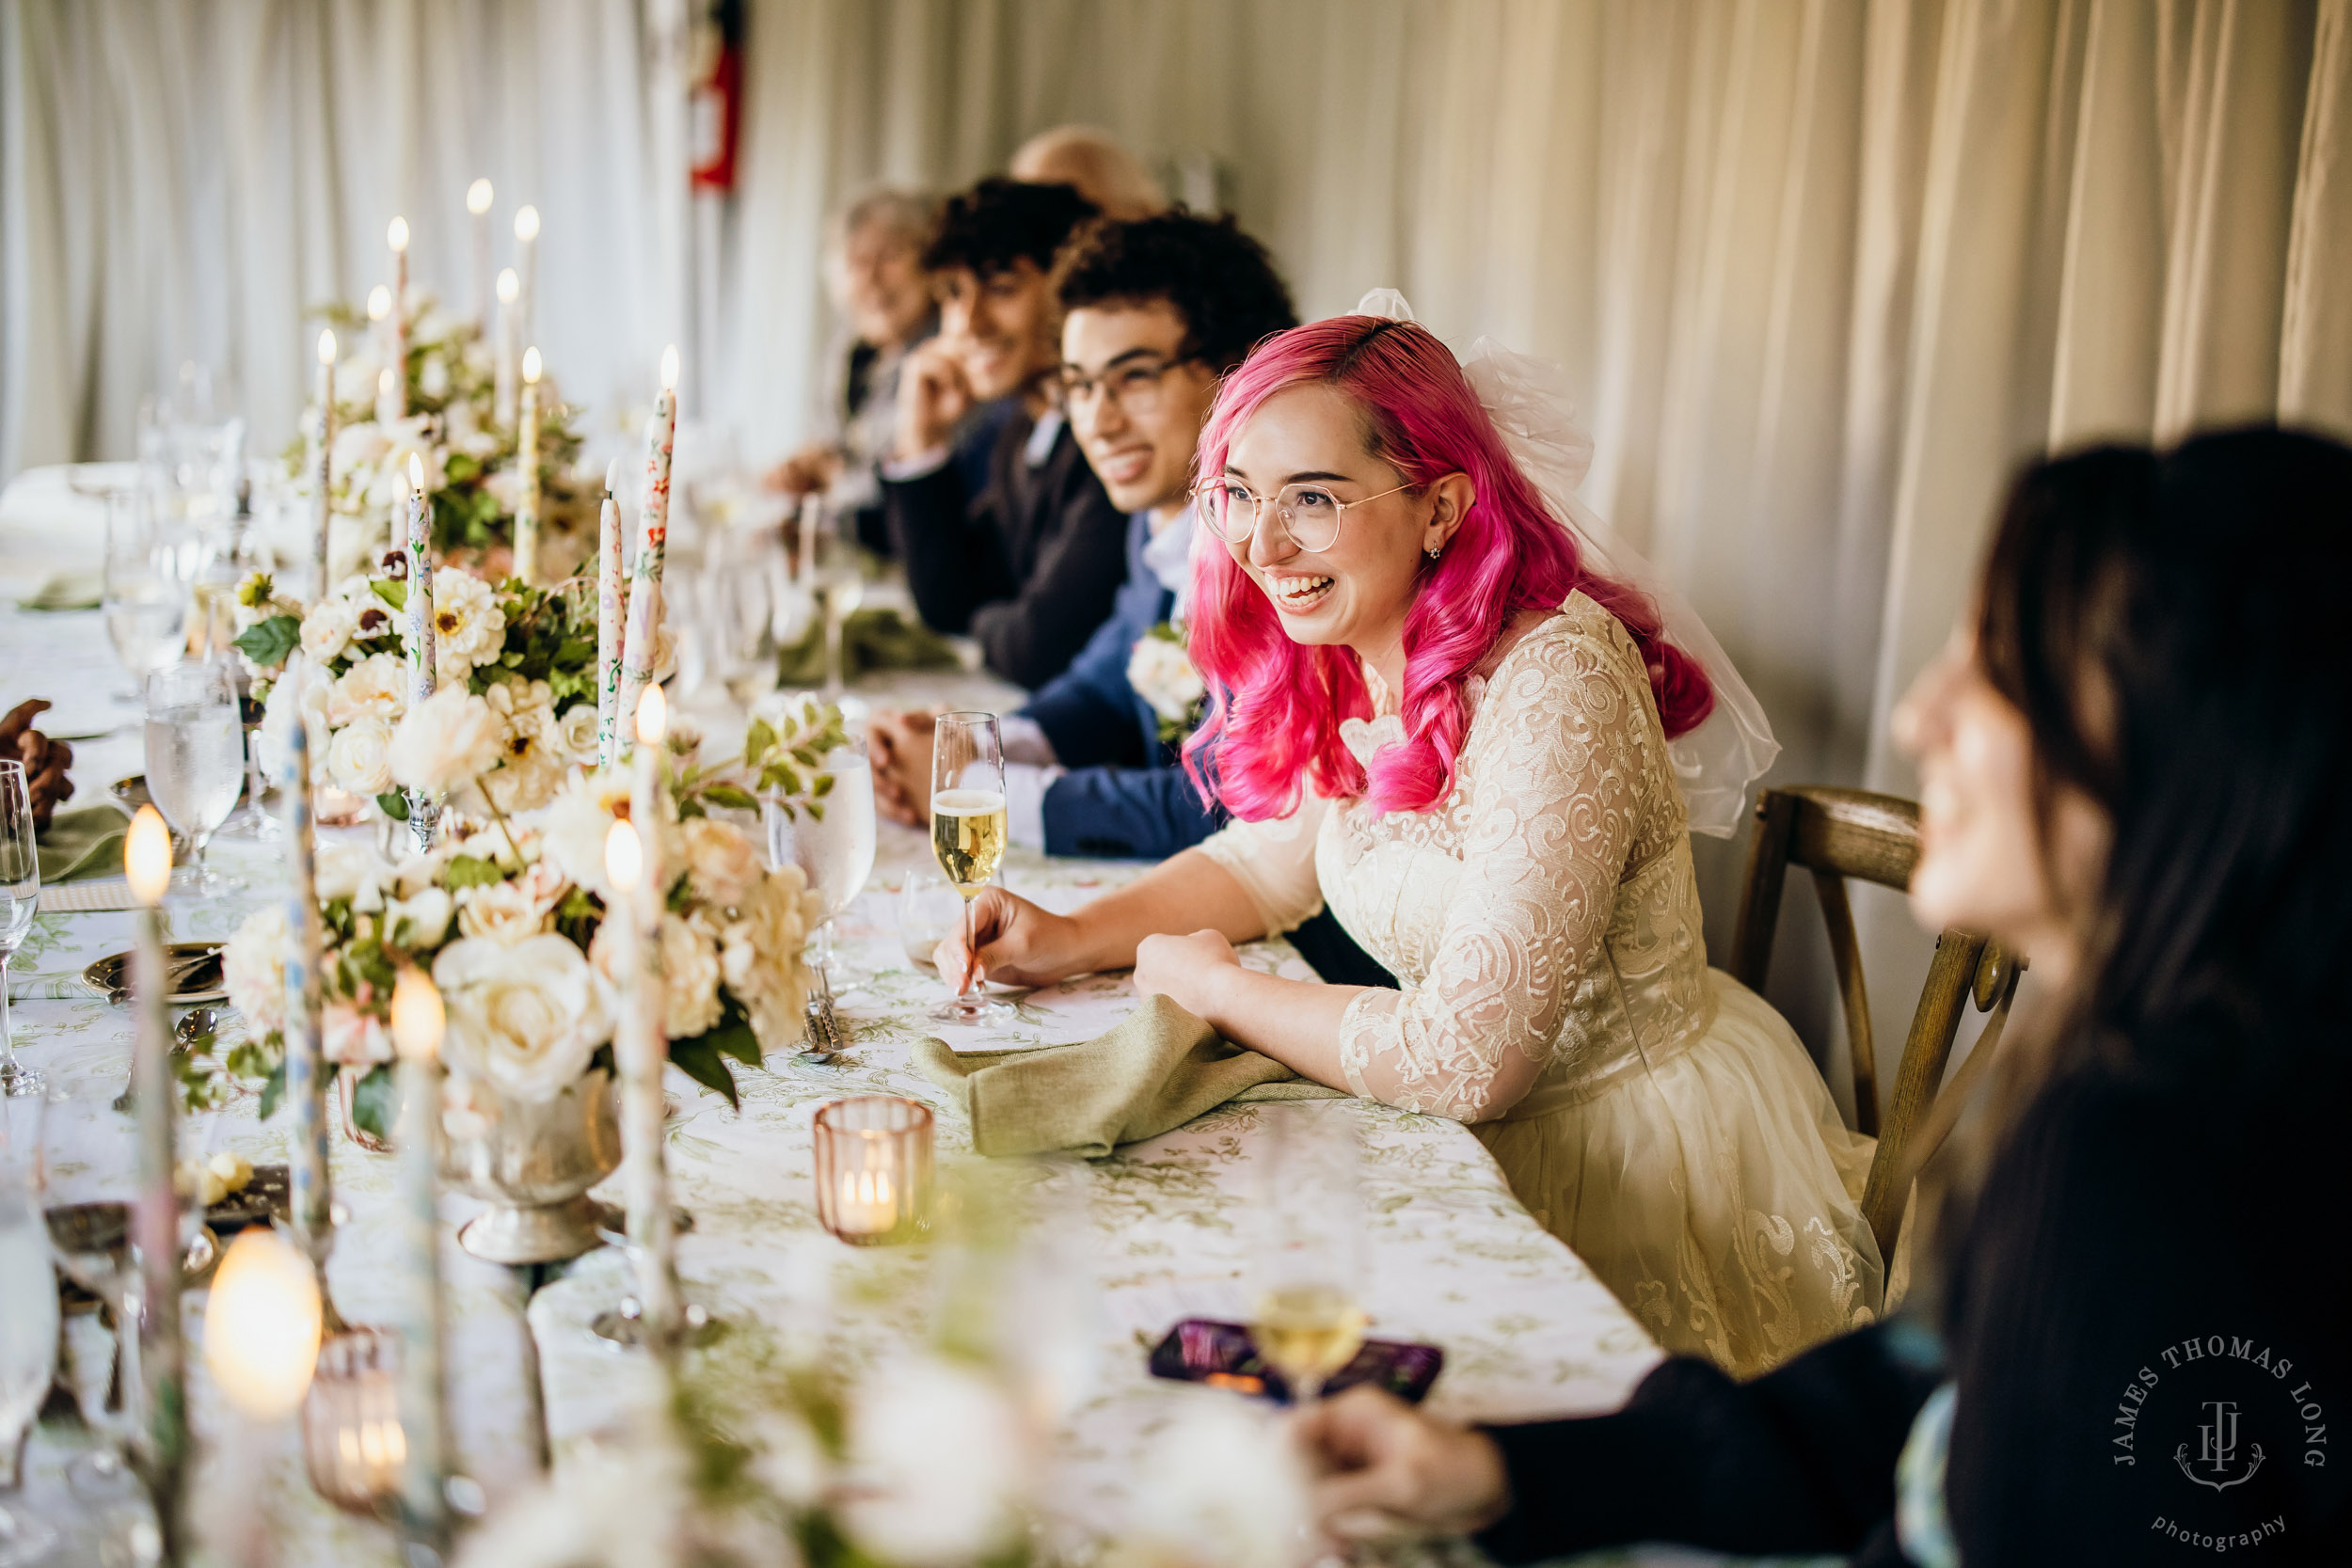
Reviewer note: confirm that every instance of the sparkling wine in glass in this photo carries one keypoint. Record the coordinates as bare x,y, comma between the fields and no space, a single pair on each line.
835,851
195,753
1307,1316
968,832
20,899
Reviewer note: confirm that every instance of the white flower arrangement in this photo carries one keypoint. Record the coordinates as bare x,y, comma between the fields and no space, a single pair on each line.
1161,672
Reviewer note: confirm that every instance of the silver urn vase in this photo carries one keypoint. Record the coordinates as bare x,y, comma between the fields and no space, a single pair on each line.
533,1163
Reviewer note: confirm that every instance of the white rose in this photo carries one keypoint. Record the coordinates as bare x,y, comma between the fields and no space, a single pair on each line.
354,760
376,686
352,1037
426,915
576,821
578,731
1227,1488
469,628
944,1461
1163,675
759,956
361,445
351,869
526,1017
326,629
501,912
309,692
689,973
721,862
533,760
447,740
253,969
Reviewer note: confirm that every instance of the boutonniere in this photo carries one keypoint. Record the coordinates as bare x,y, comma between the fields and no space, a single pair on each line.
1162,673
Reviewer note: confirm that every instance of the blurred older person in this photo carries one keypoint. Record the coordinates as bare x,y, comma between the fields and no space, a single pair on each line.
874,270
1092,162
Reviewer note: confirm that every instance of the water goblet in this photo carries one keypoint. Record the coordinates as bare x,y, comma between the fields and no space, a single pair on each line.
195,753
145,586
832,841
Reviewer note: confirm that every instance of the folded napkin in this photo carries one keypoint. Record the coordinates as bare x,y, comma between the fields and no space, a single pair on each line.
1158,1070
82,843
876,639
66,591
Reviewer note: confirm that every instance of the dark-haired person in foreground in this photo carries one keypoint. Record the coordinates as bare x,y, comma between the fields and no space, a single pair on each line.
1029,564
2134,759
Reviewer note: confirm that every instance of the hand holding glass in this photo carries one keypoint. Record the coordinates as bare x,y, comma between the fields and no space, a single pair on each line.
968,833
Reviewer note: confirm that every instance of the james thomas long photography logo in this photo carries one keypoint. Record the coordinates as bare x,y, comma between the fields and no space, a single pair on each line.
2221,1409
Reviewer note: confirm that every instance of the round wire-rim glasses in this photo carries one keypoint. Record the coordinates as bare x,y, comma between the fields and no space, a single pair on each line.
1311,515
1133,387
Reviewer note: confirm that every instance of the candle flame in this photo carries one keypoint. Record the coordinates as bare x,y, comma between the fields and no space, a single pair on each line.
530,364
379,303
478,198
509,285
527,225
327,348
416,473
262,1327
669,367
418,1018
624,858
147,856
653,717
397,234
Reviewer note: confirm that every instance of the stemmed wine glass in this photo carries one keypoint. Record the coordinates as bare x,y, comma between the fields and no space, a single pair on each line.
837,850
1307,1318
20,898
195,753
837,578
968,832
28,1338
146,589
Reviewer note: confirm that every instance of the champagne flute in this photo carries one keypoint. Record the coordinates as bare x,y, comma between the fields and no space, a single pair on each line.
28,1341
146,589
1307,1319
195,753
837,850
838,580
20,898
968,832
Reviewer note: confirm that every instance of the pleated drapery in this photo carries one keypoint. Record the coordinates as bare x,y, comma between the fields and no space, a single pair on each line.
1825,270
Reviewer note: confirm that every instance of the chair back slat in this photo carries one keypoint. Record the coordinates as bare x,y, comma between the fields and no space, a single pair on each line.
1845,952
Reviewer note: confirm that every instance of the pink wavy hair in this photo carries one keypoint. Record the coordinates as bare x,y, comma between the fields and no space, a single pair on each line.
1276,706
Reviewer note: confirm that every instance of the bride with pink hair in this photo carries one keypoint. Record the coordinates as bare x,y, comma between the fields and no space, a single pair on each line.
1427,711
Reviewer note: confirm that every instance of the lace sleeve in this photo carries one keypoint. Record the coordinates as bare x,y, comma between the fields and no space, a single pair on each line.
1275,862
1554,786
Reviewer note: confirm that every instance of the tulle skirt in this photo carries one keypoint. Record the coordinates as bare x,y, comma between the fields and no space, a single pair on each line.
1716,1190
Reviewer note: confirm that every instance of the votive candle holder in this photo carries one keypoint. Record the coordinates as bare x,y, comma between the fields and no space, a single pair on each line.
873,1157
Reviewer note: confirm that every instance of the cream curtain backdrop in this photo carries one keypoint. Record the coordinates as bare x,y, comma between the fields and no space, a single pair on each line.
1826,269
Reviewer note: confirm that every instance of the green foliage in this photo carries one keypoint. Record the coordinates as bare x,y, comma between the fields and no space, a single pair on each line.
267,642
375,1101
394,595
699,1059
465,871
273,1090
786,762
394,804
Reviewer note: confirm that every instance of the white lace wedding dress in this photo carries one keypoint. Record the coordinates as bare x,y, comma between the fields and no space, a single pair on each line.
1654,1113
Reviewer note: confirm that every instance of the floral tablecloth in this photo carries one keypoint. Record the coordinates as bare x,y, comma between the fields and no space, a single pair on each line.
1154,1234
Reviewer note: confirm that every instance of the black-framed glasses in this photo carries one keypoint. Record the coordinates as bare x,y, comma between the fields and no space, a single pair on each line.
1132,385
1310,513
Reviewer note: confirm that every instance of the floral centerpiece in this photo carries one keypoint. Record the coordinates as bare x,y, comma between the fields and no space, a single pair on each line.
508,915
469,451
528,653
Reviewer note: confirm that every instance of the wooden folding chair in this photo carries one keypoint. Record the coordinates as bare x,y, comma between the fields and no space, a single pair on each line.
1838,834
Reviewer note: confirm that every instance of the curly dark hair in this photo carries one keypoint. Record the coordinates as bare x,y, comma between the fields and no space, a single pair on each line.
999,223
1218,280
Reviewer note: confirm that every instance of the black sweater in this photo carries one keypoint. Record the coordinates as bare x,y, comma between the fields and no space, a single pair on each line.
2153,1286
1029,566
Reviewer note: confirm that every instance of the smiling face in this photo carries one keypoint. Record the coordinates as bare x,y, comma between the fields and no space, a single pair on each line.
1137,411
1983,864
882,286
1002,328
1357,592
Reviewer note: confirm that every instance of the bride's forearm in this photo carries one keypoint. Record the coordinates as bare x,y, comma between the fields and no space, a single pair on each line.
1295,1022
1186,892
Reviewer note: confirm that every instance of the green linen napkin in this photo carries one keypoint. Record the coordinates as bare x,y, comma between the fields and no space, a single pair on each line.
66,591
876,639
82,843
1158,1070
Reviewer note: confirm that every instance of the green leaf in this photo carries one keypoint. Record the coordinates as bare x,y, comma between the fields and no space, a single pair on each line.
273,1089
394,804
732,1034
733,796
758,740
375,1101
471,871
268,643
394,595
700,1060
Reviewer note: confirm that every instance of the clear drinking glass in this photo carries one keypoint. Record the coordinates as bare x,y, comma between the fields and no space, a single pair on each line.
837,578
20,898
1307,1315
835,851
28,1348
147,585
968,832
195,753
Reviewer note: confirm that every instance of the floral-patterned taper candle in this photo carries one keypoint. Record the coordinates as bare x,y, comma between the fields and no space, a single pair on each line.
417,1024
632,865
527,467
396,359
638,653
306,1078
322,464
423,808
156,1217
609,602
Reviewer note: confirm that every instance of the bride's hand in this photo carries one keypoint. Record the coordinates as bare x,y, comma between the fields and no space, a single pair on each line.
1185,970
1017,943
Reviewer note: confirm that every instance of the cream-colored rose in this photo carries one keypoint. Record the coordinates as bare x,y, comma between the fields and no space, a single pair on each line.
578,731
421,920
943,1463
355,758
1163,675
721,862
469,628
525,1017
253,969
533,760
326,629
361,445
351,868
376,686
500,911
759,956
446,741
353,1037
690,973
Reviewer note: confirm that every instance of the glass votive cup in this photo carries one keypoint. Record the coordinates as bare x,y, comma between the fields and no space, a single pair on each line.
352,1441
874,1169
929,910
